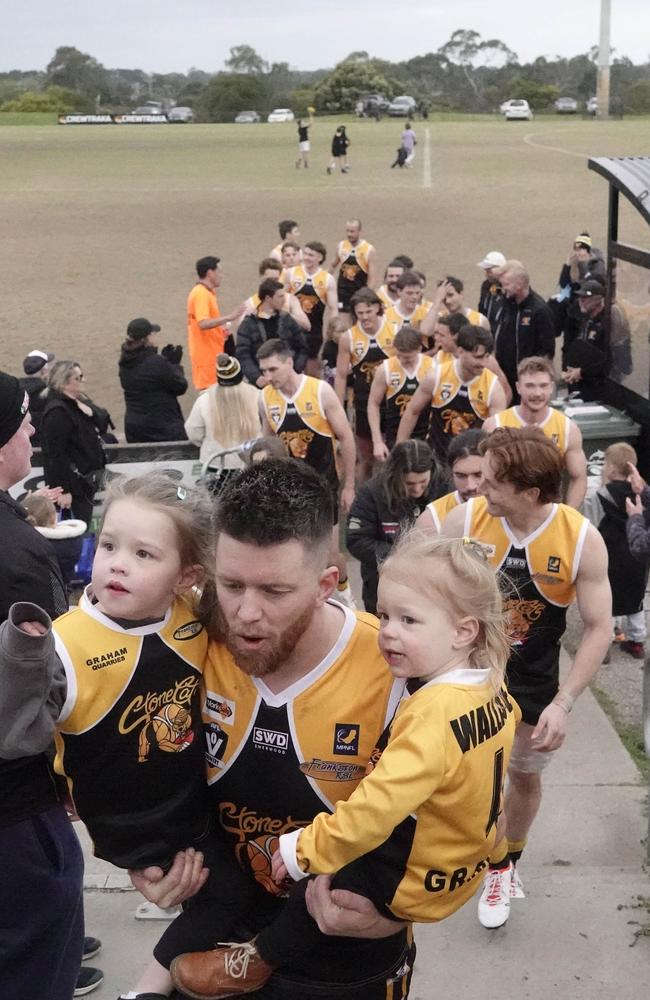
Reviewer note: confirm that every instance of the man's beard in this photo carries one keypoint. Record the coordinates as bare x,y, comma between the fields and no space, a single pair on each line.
259,664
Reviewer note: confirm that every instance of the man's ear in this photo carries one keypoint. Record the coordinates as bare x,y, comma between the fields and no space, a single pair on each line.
327,583
191,576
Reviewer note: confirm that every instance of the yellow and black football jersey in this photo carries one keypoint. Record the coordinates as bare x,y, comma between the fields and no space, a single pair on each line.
276,760
429,805
367,353
129,738
400,386
440,508
540,573
300,421
353,271
556,425
456,405
311,292
397,319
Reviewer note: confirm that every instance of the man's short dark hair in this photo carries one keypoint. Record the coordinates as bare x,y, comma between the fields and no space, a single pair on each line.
407,339
366,297
275,501
465,444
317,247
289,243
470,337
454,321
275,345
206,264
402,260
408,278
285,227
270,263
455,283
269,287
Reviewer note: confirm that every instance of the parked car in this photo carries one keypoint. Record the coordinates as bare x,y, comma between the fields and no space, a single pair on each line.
281,115
368,104
517,110
402,107
180,115
566,106
592,106
149,109
247,118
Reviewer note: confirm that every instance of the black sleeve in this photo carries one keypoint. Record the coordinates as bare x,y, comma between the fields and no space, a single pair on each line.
244,353
364,535
544,332
56,431
297,343
170,376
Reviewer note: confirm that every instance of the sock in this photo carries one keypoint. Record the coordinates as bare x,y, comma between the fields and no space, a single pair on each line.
500,856
515,849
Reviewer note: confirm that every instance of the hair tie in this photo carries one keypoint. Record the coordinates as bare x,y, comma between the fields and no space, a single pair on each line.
181,493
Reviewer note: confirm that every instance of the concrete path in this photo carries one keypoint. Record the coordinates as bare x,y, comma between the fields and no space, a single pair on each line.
573,937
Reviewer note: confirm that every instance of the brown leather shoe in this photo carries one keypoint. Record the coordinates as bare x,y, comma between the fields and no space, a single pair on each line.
226,971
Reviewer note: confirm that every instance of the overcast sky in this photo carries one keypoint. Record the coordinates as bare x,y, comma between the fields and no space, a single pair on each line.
169,35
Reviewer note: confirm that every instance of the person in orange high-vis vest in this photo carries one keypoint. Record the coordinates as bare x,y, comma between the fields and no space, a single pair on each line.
206,327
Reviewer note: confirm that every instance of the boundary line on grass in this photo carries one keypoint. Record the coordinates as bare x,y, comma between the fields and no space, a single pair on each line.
426,160
528,139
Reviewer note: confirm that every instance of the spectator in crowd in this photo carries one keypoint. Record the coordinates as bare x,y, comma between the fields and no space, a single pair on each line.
36,367
628,575
206,327
583,261
64,536
151,383
41,918
638,514
225,415
601,346
272,268
268,322
525,325
73,456
388,504
490,301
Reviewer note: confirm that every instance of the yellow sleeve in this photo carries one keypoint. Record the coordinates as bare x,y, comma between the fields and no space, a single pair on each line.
408,772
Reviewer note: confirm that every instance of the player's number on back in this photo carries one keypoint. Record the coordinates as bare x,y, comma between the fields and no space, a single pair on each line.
497,788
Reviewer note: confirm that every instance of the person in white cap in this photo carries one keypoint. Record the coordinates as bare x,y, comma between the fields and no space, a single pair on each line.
491,294
36,367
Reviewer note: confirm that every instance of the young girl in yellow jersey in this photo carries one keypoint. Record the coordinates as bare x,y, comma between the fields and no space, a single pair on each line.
415,836
118,680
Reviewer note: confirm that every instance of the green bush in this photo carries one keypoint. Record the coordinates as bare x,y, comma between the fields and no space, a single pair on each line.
59,100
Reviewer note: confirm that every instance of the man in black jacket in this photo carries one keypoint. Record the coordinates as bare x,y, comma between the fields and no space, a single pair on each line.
525,327
151,383
41,918
36,367
267,322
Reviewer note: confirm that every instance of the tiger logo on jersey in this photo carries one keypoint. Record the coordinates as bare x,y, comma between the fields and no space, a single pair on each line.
520,616
169,731
455,421
350,271
297,442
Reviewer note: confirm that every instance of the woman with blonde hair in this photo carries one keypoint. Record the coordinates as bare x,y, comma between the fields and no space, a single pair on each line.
226,415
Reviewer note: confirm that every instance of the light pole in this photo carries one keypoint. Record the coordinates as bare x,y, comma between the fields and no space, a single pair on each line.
602,87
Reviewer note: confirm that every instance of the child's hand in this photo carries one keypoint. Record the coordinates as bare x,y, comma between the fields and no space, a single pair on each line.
278,868
32,628
633,508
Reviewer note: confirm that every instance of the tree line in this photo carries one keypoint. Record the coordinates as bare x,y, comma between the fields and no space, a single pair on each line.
466,74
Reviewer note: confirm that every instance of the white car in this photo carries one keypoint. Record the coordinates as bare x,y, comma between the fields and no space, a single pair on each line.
517,110
402,107
180,115
281,115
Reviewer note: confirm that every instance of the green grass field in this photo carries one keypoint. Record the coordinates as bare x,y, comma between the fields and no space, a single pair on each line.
104,223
